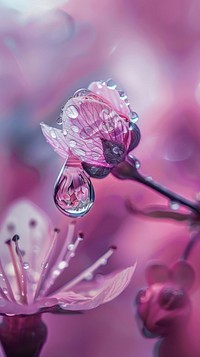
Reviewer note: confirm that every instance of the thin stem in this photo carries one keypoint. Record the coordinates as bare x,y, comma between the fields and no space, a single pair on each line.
189,247
174,197
127,170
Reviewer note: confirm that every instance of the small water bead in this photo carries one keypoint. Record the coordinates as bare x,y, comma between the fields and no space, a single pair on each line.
5,291
71,247
56,272
62,265
72,255
75,129
53,134
72,143
64,132
104,261
133,119
137,164
81,92
174,205
72,112
79,152
88,276
122,94
59,120
111,84
26,265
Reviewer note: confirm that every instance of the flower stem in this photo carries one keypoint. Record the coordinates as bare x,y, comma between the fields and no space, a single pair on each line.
189,247
127,170
22,336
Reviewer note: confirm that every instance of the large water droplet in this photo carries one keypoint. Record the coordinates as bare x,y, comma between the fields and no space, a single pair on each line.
174,205
73,192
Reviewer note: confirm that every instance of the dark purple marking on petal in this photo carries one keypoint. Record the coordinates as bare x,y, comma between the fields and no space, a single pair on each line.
171,298
135,137
113,151
96,171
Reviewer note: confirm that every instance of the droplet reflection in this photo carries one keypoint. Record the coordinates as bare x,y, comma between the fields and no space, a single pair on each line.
73,192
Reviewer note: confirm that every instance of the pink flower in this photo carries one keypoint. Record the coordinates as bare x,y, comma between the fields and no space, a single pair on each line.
33,272
165,304
98,131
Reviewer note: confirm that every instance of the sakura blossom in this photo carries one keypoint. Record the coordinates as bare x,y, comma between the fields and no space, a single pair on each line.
98,131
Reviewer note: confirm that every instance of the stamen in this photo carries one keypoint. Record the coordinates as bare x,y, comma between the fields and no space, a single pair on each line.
16,268
63,263
46,266
88,273
15,239
8,286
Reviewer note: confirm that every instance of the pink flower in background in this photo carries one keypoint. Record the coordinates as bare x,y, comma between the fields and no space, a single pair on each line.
33,278
98,131
165,304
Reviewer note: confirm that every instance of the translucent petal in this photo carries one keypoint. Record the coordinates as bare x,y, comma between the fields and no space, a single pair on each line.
56,139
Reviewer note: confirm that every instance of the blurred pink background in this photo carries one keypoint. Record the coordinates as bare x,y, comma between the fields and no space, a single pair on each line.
151,49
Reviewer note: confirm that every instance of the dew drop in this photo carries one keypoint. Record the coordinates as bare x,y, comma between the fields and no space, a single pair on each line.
104,261
59,120
122,94
137,164
53,134
75,129
70,247
26,266
88,276
56,272
64,132
72,143
81,92
62,265
72,112
133,119
174,205
73,192
5,291
111,84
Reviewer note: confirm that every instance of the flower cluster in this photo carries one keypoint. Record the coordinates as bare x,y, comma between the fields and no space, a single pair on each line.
33,268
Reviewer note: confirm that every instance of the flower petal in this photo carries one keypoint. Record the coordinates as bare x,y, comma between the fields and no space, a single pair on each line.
56,139
88,122
112,95
183,274
113,285
157,273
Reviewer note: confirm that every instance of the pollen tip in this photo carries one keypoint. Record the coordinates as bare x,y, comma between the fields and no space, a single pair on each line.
8,241
15,238
56,230
81,235
113,247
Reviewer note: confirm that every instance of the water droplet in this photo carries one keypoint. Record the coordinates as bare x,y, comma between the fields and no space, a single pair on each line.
70,247
174,205
133,119
73,192
53,134
122,94
81,92
5,291
137,164
104,261
26,266
111,84
59,120
72,143
72,112
56,272
88,276
75,129
64,132
80,152
72,255
62,265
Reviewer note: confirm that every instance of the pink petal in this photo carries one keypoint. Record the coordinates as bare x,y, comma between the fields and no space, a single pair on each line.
56,139
113,285
183,274
157,273
111,95
87,122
